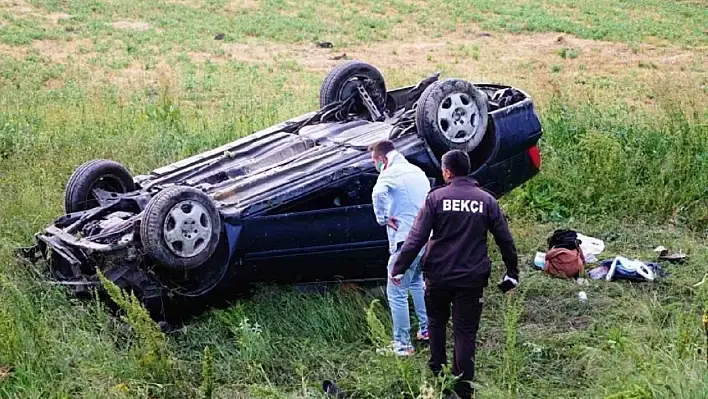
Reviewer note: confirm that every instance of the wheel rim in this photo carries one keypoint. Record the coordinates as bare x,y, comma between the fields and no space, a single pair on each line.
187,229
458,117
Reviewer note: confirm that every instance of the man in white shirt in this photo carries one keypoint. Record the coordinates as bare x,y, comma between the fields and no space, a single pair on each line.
400,191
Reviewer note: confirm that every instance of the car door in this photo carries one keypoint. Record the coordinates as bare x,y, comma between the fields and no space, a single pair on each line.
340,240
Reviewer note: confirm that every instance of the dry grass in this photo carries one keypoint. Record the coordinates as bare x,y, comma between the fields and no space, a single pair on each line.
59,16
5,372
61,51
131,25
538,63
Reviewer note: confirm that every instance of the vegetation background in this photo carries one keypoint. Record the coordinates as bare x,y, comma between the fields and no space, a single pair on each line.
621,88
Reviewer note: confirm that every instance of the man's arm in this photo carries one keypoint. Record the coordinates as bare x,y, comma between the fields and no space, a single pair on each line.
417,237
502,236
379,197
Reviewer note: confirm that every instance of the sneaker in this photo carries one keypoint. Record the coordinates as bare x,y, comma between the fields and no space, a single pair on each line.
397,349
403,350
423,336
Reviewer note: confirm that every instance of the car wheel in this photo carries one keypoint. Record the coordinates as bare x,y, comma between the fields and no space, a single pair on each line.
340,83
98,173
452,115
180,228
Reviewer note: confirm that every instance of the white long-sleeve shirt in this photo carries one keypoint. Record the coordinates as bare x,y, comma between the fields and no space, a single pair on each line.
399,192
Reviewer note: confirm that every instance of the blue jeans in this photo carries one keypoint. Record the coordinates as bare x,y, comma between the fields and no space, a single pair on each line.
412,282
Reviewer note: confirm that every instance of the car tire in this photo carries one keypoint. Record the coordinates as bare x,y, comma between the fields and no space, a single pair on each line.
337,85
98,173
165,221
452,115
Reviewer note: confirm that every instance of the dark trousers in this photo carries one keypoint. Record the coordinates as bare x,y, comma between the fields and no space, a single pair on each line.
467,306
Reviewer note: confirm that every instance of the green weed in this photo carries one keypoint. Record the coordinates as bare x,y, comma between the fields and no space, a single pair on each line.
513,355
207,387
569,53
154,354
648,65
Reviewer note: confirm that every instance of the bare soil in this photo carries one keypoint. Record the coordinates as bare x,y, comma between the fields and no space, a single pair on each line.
131,25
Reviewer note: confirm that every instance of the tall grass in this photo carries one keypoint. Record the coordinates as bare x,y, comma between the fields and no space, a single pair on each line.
634,177
601,162
614,162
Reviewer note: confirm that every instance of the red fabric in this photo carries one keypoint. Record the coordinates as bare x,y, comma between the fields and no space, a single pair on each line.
565,263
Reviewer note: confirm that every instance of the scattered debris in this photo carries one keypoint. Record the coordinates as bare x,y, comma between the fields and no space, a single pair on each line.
564,263
219,36
626,269
564,257
325,44
663,254
569,251
591,247
340,57
485,34
331,389
582,296
674,258
5,372
563,238
598,272
540,260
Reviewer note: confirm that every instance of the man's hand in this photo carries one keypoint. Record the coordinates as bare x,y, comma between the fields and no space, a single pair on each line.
392,222
508,284
396,280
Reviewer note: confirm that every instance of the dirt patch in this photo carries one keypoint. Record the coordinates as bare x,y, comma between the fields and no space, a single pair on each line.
136,76
131,25
236,5
540,64
59,16
231,6
201,57
16,6
309,56
505,53
480,55
59,51
15,52
579,322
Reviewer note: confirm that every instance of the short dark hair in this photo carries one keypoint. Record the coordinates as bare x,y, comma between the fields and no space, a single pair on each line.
382,147
457,162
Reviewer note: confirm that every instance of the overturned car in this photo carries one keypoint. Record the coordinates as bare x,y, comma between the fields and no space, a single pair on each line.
288,204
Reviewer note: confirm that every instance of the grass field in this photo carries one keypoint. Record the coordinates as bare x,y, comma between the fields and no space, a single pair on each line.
620,88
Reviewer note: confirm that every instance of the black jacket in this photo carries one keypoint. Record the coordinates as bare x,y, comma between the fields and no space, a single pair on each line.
459,214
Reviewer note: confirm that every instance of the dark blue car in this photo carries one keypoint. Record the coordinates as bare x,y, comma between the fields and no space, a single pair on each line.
288,204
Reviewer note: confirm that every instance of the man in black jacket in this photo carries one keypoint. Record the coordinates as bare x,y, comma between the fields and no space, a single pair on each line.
455,265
